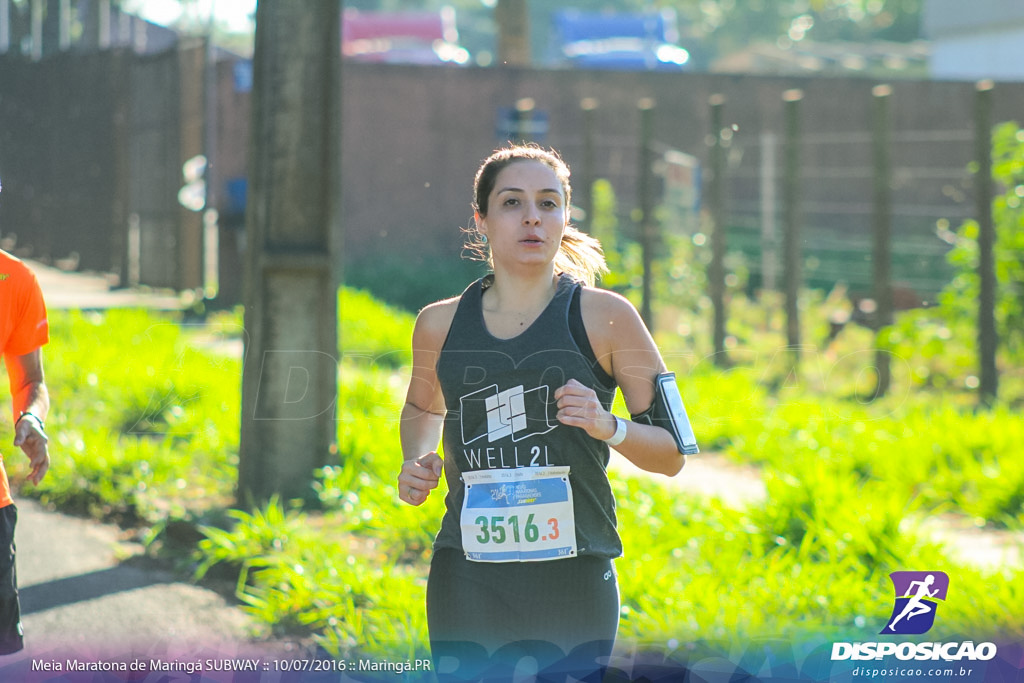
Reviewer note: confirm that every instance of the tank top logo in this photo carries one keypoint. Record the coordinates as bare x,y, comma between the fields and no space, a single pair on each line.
516,412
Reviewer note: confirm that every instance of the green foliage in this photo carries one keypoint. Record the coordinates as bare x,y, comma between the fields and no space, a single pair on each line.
411,281
959,300
621,255
265,531
678,271
812,563
847,481
939,345
940,349
369,330
353,575
373,331
139,418
298,579
934,452
351,605
813,558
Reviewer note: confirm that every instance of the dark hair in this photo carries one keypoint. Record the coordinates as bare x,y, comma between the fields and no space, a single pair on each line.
579,254
488,172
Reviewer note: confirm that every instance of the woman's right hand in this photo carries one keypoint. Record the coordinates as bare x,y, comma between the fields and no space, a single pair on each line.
418,477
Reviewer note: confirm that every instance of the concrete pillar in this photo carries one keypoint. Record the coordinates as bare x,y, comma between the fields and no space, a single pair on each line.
289,383
5,26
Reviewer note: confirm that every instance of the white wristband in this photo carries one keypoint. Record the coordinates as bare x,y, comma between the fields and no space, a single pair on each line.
620,432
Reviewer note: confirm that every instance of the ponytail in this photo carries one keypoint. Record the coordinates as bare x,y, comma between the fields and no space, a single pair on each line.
581,256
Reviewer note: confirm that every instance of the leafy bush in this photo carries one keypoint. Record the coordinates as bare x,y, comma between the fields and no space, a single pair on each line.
960,299
941,343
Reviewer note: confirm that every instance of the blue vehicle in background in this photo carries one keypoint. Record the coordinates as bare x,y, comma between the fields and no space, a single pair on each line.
628,42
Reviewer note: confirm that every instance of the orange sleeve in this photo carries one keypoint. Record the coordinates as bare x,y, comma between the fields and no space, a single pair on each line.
23,325
29,326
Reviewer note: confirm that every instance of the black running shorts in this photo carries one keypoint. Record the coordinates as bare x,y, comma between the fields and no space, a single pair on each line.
486,618
10,610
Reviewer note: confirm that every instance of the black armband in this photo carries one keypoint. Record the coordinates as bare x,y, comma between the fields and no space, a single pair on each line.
667,411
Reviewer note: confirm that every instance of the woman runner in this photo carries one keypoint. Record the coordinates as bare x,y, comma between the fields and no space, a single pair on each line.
519,373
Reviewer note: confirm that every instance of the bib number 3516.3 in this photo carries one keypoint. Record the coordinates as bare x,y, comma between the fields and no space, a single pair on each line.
498,529
518,515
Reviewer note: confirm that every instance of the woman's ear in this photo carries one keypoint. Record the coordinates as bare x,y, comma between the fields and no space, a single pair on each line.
478,221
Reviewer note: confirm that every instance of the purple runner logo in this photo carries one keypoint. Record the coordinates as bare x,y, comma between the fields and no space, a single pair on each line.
917,596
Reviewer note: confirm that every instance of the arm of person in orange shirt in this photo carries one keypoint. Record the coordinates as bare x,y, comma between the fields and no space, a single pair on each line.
30,395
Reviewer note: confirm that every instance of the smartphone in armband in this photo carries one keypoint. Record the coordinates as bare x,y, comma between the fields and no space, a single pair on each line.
680,423
668,412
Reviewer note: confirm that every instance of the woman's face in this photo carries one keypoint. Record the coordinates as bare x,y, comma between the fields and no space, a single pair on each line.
526,214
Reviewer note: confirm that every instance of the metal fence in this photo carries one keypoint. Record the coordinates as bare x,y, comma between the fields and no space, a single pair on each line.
91,149
836,178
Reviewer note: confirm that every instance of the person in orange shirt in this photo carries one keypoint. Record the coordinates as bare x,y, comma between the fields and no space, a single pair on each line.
23,331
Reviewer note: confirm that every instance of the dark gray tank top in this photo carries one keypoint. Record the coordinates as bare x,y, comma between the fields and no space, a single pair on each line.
481,374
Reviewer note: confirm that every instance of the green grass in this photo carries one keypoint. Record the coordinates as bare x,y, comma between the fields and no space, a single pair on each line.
145,430
370,331
142,425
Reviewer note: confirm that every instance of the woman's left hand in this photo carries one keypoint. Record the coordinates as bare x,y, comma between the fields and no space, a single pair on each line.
578,406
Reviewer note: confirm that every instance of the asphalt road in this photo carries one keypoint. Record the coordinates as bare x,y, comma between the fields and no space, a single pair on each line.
87,593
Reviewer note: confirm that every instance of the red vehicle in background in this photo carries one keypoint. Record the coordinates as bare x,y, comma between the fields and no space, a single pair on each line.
429,38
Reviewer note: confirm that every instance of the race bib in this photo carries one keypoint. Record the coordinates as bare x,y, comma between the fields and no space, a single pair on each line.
518,515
